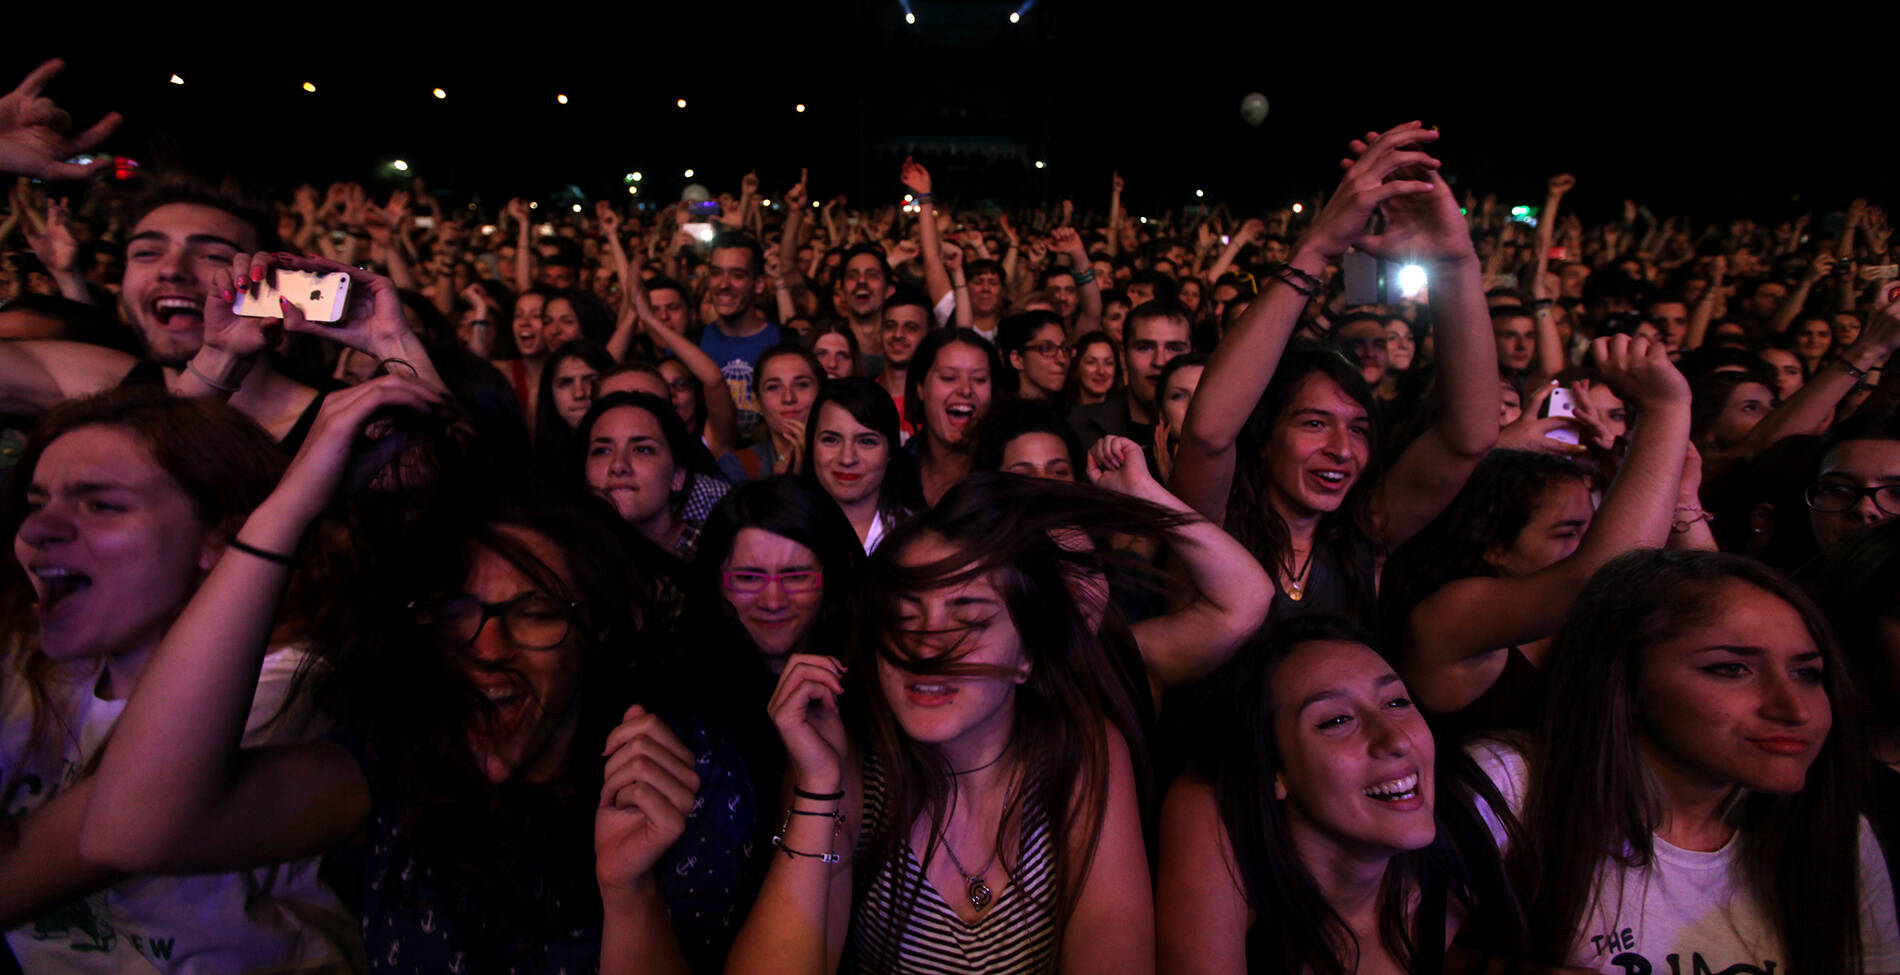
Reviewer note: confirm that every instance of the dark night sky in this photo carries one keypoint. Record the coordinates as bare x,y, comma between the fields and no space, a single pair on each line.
1718,117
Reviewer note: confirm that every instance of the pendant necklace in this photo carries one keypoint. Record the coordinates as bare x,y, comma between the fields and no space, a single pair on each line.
974,887
1296,582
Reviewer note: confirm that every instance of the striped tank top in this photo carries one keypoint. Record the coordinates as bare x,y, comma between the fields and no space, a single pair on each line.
1017,934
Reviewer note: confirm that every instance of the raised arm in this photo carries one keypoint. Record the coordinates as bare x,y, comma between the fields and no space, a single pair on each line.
1088,309
524,246
1242,365
609,223
936,279
1201,913
1114,213
1811,408
1250,232
1705,305
1457,639
1232,593
33,139
722,415
174,792
803,912
1797,300
54,245
1552,358
1427,228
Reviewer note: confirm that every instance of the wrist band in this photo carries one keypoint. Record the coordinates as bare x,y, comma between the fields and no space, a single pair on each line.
922,198
1684,524
819,796
1085,276
283,560
1283,278
837,829
1542,302
192,367
1859,374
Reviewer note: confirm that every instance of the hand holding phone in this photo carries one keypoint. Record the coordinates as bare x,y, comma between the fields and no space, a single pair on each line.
1560,404
320,297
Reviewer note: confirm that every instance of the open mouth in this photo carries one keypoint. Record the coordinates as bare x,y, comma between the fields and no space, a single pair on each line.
1397,790
1332,479
960,412
929,694
178,312
56,583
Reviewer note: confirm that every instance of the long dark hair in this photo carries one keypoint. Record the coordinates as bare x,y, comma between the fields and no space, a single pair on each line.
511,850
1007,529
1858,586
689,454
1250,514
868,403
1489,512
1592,803
552,436
925,359
1304,932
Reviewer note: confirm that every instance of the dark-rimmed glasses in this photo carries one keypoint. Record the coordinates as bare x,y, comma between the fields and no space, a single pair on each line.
804,580
533,620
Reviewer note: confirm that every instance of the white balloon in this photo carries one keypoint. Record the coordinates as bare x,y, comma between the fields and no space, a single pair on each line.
695,193
1253,109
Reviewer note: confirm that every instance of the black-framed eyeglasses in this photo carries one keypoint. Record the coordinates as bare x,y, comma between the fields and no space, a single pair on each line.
1050,350
533,620
1837,496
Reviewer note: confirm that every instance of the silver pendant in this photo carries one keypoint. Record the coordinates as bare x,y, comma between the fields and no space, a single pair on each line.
979,893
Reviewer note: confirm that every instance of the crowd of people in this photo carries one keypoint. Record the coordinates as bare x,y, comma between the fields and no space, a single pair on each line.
1390,583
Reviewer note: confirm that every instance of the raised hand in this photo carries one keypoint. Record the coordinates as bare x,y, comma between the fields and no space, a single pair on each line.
903,252
1560,184
345,418
1372,180
952,254
1115,179
804,708
608,220
798,195
749,185
53,243
517,209
1423,226
1117,464
1639,372
385,221
33,139
1820,267
646,795
1532,432
915,177
1064,240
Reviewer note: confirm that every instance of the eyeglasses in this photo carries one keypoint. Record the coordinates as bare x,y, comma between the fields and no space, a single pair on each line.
804,580
1050,350
1837,496
533,620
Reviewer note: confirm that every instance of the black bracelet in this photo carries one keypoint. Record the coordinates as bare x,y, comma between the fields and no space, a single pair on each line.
790,853
1859,374
283,560
1282,277
834,814
1541,302
816,796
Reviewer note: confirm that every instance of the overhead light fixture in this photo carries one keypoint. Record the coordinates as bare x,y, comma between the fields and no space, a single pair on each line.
800,107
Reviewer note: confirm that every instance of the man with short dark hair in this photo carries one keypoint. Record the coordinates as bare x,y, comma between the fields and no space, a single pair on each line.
906,322
1154,333
859,288
987,296
740,332
1516,333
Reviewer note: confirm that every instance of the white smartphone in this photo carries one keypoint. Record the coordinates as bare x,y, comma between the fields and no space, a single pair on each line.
321,297
1560,404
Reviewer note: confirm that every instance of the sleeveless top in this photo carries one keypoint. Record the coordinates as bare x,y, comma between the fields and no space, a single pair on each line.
147,374
1016,935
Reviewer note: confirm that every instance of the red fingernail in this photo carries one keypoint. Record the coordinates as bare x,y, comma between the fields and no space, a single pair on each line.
226,294
283,303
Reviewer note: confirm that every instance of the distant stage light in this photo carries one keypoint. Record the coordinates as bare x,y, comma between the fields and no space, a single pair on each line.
800,108
439,93
177,80
1298,208
910,18
400,165
1198,194
533,205
577,208
309,86
636,176
689,174
1040,165
561,98
1015,17
633,191
681,103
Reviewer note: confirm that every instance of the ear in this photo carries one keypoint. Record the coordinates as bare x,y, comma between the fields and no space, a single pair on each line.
1279,788
1022,672
210,550
679,480
1016,361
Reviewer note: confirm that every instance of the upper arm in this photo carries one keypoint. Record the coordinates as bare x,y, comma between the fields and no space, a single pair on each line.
35,376
1201,914
1419,486
40,863
1456,638
284,803
1112,927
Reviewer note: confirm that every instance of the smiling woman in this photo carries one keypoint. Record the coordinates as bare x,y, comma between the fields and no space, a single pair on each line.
1324,835
1705,766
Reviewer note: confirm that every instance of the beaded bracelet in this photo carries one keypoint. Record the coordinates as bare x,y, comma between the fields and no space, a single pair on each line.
1085,276
837,829
1860,375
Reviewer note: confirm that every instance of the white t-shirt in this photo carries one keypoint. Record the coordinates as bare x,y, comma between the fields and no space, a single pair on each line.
278,919
1689,911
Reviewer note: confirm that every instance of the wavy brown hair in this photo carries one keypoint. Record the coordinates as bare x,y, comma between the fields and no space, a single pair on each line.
1012,531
